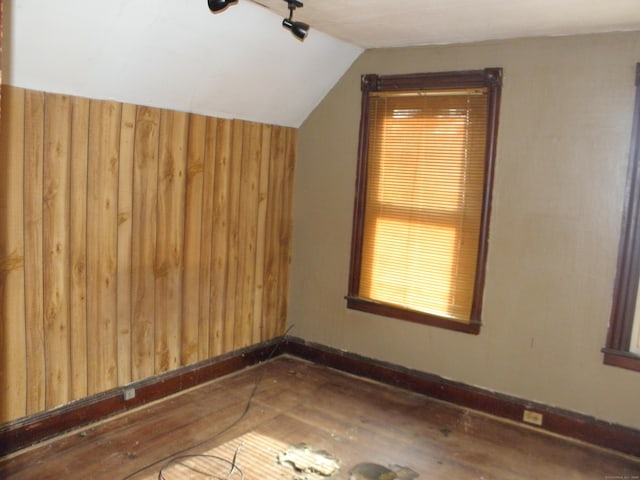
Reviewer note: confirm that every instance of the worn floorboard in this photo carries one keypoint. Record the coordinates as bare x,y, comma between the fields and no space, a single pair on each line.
244,427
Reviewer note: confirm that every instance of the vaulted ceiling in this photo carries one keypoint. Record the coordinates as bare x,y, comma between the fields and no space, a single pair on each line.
241,63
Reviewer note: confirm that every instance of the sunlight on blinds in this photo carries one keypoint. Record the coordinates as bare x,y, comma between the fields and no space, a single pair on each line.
424,200
412,274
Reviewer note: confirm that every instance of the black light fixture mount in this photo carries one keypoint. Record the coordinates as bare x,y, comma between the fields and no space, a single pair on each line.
299,29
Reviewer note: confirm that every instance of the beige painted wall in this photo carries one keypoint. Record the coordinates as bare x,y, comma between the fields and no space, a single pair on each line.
557,203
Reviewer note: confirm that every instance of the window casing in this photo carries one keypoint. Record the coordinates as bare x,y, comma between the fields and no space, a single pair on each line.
425,170
623,338
634,346
0,42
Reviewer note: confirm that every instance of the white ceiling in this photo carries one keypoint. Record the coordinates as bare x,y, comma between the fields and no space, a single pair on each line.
398,23
173,54
241,63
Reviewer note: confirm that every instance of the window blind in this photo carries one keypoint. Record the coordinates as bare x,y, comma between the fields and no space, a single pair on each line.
424,195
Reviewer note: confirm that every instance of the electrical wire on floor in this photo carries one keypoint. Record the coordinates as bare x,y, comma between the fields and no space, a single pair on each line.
182,462
178,454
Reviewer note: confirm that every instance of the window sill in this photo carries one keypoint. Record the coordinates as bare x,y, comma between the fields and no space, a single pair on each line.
618,358
377,308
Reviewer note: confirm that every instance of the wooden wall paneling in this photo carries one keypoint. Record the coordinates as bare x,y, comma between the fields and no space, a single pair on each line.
272,242
138,240
56,181
285,229
33,253
192,236
220,238
233,204
102,241
143,243
78,246
13,380
206,234
125,214
170,236
247,233
257,334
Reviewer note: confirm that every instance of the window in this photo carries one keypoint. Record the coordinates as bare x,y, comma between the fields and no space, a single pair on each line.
427,144
623,339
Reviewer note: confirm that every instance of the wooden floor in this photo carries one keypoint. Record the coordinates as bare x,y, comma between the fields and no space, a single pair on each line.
245,426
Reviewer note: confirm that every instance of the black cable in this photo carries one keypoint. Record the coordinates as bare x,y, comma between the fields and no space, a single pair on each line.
174,460
224,430
233,462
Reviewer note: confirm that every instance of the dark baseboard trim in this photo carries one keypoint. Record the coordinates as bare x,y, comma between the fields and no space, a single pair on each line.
563,422
30,430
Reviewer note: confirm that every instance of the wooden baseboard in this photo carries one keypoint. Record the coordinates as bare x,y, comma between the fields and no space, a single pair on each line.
35,428
563,422
29,430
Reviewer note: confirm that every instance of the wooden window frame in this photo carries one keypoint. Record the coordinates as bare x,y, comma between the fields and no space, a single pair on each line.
617,350
489,78
1,46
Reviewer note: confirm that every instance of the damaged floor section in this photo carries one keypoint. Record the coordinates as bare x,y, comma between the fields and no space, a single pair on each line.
373,471
309,463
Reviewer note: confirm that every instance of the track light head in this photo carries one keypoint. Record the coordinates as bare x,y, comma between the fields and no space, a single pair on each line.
219,5
299,29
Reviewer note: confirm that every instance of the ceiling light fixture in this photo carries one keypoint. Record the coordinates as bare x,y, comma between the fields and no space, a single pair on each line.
299,29
219,5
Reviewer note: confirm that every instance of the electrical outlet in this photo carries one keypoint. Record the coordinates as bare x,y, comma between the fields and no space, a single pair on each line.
532,417
129,393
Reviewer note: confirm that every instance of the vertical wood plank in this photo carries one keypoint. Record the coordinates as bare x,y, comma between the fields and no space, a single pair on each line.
102,238
78,246
143,243
56,180
13,380
209,177
285,230
169,240
33,259
272,242
257,334
220,237
247,233
125,212
192,234
232,245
